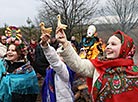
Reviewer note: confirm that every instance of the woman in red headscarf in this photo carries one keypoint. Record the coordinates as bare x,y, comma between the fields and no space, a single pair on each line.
115,77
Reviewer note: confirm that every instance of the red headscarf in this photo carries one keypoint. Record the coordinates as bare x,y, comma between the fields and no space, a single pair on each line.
124,60
126,50
127,44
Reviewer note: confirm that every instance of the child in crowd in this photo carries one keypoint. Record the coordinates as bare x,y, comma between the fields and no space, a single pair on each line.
59,77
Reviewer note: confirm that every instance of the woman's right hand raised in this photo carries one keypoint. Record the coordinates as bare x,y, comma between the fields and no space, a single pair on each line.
44,39
61,37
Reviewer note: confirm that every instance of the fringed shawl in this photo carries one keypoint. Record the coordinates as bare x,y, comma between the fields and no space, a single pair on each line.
24,82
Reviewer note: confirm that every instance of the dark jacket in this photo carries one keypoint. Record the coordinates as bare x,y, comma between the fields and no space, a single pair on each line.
40,63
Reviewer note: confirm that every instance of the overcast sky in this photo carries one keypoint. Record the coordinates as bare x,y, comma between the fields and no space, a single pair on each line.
16,12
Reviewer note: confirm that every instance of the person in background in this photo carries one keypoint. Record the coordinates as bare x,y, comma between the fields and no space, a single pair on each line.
31,54
59,77
18,79
74,43
3,47
91,44
53,42
40,62
114,75
31,50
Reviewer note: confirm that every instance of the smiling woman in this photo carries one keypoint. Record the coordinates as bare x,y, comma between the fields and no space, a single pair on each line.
109,79
113,47
17,75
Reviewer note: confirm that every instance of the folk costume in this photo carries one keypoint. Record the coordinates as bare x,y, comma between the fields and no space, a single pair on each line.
21,81
117,78
18,79
113,80
92,46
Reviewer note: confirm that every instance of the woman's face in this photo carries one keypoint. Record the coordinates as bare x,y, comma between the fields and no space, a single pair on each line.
12,53
33,41
113,47
3,40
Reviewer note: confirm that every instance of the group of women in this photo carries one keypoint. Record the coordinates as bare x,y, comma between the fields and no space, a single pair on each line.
112,77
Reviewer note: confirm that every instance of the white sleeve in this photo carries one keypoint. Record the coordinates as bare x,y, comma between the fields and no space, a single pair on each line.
56,63
73,60
2,51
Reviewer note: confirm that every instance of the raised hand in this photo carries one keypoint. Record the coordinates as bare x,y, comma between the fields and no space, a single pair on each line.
44,39
61,36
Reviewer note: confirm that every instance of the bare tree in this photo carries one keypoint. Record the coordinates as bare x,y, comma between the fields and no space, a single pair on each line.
121,14
30,30
73,12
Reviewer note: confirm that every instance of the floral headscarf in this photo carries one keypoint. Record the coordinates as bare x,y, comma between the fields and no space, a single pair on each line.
128,48
112,83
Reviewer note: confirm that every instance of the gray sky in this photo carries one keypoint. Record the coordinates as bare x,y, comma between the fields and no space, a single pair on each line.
16,12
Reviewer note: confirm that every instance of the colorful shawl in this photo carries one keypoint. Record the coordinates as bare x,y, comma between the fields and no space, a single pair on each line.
24,82
118,78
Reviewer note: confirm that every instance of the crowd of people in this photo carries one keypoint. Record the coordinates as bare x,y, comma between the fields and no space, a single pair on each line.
18,79
90,72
